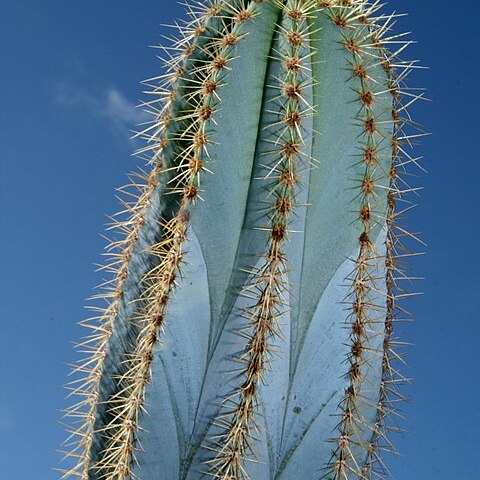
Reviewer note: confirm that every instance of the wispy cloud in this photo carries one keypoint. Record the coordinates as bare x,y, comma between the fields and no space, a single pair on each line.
110,104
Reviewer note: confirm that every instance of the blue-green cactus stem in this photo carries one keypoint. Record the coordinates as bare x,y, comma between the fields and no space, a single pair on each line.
249,327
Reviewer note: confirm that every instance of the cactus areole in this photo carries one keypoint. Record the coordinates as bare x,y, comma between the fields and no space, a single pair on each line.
247,328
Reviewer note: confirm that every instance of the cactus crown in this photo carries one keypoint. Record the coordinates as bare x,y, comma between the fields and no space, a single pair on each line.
247,327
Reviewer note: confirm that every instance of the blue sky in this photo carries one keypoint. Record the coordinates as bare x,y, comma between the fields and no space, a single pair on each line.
69,79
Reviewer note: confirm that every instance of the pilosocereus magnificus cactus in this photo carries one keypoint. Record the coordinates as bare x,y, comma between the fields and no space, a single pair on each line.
248,326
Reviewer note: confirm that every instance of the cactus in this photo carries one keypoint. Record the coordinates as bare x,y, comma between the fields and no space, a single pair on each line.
246,330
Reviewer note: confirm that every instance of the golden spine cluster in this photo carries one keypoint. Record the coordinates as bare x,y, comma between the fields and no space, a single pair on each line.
268,283
118,458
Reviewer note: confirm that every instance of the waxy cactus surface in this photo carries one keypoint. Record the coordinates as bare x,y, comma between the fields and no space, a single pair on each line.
246,330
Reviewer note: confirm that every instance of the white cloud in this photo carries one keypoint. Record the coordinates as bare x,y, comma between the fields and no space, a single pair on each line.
118,108
110,104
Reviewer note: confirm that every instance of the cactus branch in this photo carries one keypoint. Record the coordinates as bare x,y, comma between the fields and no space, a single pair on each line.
257,265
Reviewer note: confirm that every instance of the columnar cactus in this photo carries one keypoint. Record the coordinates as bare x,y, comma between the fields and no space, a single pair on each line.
248,326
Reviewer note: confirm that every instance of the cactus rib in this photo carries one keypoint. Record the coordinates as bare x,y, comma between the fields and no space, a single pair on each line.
268,283
392,379
347,459
118,457
344,464
86,388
